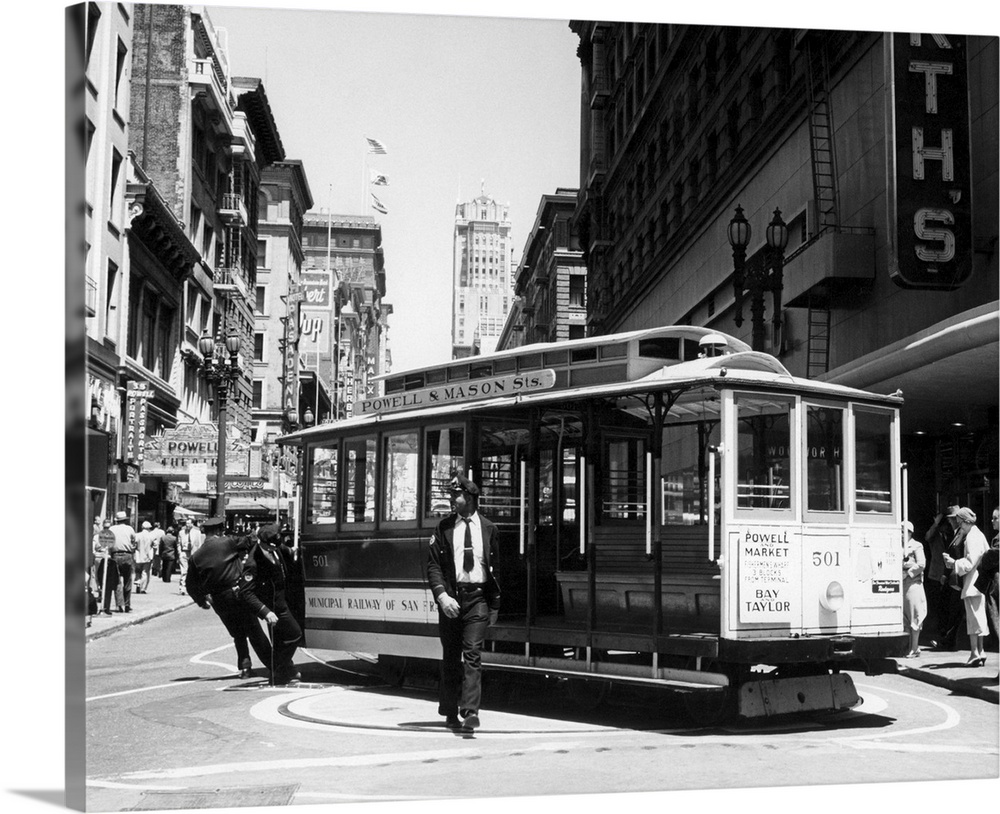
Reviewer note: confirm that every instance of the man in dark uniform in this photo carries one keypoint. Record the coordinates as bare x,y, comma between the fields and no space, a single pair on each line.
462,555
264,585
213,581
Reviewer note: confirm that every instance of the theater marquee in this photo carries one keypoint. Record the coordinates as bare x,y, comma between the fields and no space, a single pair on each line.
929,167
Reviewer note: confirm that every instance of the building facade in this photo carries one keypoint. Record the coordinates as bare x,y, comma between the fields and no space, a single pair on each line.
343,322
482,290
175,148
878,150
285,197
551,280
105,32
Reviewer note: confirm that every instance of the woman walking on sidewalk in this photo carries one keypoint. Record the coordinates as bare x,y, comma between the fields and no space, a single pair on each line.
914,599
975,546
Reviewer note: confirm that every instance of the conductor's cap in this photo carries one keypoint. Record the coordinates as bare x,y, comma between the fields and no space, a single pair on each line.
460,483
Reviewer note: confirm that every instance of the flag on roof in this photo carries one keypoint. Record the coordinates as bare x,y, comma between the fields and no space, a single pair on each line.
377,179
375,146
377,206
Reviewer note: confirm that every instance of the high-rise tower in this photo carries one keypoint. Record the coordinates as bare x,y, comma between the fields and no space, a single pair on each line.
482,276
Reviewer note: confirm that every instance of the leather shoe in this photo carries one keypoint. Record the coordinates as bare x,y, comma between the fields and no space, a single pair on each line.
453,722
470,720
288,678
245,667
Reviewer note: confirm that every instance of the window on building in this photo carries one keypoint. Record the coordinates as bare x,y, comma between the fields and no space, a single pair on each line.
93,21
116,169
258,346
208,235
262,254
578,290
164,346
260,301
111,302
120,63
257,401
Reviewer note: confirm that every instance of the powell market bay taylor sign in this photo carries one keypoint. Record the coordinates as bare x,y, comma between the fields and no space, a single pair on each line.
173,451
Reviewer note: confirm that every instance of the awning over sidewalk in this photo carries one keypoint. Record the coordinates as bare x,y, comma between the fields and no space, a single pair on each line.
948,372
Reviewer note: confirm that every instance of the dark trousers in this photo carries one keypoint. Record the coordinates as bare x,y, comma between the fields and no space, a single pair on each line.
951,617
166,568
461,661
243,626
107,581
120,571
285,637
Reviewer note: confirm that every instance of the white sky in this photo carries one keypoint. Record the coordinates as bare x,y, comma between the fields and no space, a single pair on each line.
461,103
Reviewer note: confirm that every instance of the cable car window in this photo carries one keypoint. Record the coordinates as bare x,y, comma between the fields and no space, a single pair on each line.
444,451
661,347
763,464
685,469
824,459
623,485
873,462
359,481
323,494
400,471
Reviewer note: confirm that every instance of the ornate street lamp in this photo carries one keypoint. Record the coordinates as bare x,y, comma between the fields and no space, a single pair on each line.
308,417
759,277
221,369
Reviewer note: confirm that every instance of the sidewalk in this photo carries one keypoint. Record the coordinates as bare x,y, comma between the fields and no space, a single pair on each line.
943,668
946,668
163,597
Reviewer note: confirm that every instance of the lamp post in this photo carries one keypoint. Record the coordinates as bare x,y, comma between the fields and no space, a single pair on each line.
759,277
222,369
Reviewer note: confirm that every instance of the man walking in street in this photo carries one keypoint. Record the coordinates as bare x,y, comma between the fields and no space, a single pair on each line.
143,556
213,581
156,534
268,576
189,540
123,561
462,556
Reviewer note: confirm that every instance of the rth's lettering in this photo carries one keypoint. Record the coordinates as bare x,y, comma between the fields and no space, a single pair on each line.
930,223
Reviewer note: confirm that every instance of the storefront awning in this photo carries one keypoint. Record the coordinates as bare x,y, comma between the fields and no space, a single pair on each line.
948,373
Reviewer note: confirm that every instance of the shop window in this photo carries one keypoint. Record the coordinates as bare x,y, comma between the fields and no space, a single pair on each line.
323,486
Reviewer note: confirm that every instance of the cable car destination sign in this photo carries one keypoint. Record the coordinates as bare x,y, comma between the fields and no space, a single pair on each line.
458,392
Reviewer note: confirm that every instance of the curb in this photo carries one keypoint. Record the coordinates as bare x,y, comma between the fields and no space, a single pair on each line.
138,620
950,684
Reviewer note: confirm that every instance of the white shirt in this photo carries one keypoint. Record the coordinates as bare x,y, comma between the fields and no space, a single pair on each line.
478,572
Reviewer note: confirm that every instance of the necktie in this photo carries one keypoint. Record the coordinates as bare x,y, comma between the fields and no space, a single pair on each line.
468,562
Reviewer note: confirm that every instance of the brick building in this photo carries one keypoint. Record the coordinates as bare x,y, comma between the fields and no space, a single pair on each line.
551,279
880,152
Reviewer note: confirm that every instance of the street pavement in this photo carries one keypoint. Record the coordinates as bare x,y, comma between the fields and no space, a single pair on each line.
940,667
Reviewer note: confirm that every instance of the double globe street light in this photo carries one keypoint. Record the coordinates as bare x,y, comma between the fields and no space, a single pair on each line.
222,370
757,278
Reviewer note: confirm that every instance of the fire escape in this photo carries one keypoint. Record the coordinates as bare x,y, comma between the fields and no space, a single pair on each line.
825,203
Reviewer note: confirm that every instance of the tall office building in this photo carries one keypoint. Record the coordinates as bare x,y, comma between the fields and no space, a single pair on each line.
482,276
